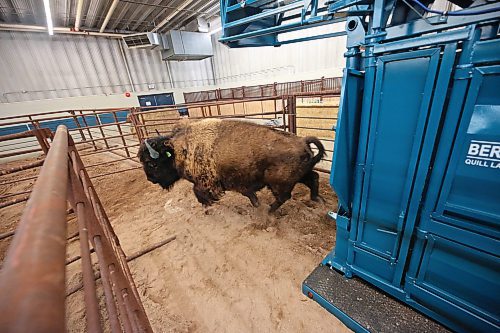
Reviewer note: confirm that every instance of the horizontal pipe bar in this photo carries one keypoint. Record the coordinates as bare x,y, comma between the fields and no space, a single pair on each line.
98,126
129,258
150,248
317,118
103,138
110,149
294,26
58,30
19,180
21,167
310,38
108,162
90,113
195,105
7,234
21,152
20,135
322,170
13,194
314,128
76,258
264,14
114,172
32,277
13,202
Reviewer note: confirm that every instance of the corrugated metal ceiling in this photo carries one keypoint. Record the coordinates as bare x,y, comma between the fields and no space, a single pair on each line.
129,15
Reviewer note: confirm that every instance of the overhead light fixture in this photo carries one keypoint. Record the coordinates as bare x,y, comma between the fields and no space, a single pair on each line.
50,26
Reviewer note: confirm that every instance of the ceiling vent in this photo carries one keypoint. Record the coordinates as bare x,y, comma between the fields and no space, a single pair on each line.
146,40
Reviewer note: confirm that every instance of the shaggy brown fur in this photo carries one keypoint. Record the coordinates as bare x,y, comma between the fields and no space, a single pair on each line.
219,155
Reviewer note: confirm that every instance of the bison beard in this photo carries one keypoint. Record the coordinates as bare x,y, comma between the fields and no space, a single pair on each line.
224,155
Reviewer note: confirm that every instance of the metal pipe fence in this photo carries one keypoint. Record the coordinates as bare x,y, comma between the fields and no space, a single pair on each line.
108,140
108,133
327,85
32,277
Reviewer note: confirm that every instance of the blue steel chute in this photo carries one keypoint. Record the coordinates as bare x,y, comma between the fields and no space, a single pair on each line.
416,163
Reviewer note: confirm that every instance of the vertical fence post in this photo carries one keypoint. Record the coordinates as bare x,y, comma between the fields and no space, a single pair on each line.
99,124
77,123
292,112
146,133
135,122
88,129
121,133
41,137
218,98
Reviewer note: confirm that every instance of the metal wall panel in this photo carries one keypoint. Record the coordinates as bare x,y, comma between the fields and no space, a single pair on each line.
36,66
267,63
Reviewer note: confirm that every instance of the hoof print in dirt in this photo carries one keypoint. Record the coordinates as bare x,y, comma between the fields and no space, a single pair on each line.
241,210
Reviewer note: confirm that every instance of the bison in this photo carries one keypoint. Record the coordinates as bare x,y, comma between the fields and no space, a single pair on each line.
226,155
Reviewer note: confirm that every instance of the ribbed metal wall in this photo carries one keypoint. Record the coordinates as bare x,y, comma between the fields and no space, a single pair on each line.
263,64
36,66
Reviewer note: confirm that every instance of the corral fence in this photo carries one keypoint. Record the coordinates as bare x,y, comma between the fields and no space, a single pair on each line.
303,113
103,136
32,279
62,165
324,85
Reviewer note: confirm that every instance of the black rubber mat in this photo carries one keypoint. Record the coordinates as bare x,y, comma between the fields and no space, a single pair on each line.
370,307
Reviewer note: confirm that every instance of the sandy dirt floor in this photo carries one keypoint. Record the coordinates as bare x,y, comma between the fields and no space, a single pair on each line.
235,269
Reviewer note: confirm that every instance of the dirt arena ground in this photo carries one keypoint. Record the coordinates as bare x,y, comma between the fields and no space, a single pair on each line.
235,269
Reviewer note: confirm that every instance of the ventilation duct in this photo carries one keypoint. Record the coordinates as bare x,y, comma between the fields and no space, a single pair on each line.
146,40
186,45
174,45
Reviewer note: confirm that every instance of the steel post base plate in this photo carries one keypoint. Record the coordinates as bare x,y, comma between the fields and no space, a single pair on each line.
363,307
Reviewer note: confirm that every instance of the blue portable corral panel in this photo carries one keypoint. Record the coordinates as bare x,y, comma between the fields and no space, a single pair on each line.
426,205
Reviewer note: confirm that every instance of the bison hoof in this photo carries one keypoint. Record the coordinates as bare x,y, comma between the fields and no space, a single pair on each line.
255,203
273,208
209,211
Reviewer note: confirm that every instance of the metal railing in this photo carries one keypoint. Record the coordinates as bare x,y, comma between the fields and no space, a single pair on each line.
106,139
32,279
327,85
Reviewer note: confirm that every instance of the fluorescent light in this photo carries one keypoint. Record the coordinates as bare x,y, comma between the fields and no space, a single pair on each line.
50,26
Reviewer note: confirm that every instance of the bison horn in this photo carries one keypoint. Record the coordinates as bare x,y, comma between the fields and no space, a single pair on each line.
153,153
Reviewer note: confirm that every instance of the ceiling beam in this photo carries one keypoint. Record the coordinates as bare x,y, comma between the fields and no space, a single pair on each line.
78,18
57,30
108,15
172,14
178,23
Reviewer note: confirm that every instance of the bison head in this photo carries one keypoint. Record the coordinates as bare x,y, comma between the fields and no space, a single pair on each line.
158,161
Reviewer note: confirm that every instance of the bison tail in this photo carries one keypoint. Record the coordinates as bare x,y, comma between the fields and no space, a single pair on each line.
315,141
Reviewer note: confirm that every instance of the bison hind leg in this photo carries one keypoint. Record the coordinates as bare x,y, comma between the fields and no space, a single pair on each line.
253,198
282,193
311,180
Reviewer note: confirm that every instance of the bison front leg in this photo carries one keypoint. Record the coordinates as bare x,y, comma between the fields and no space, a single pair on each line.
203,195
